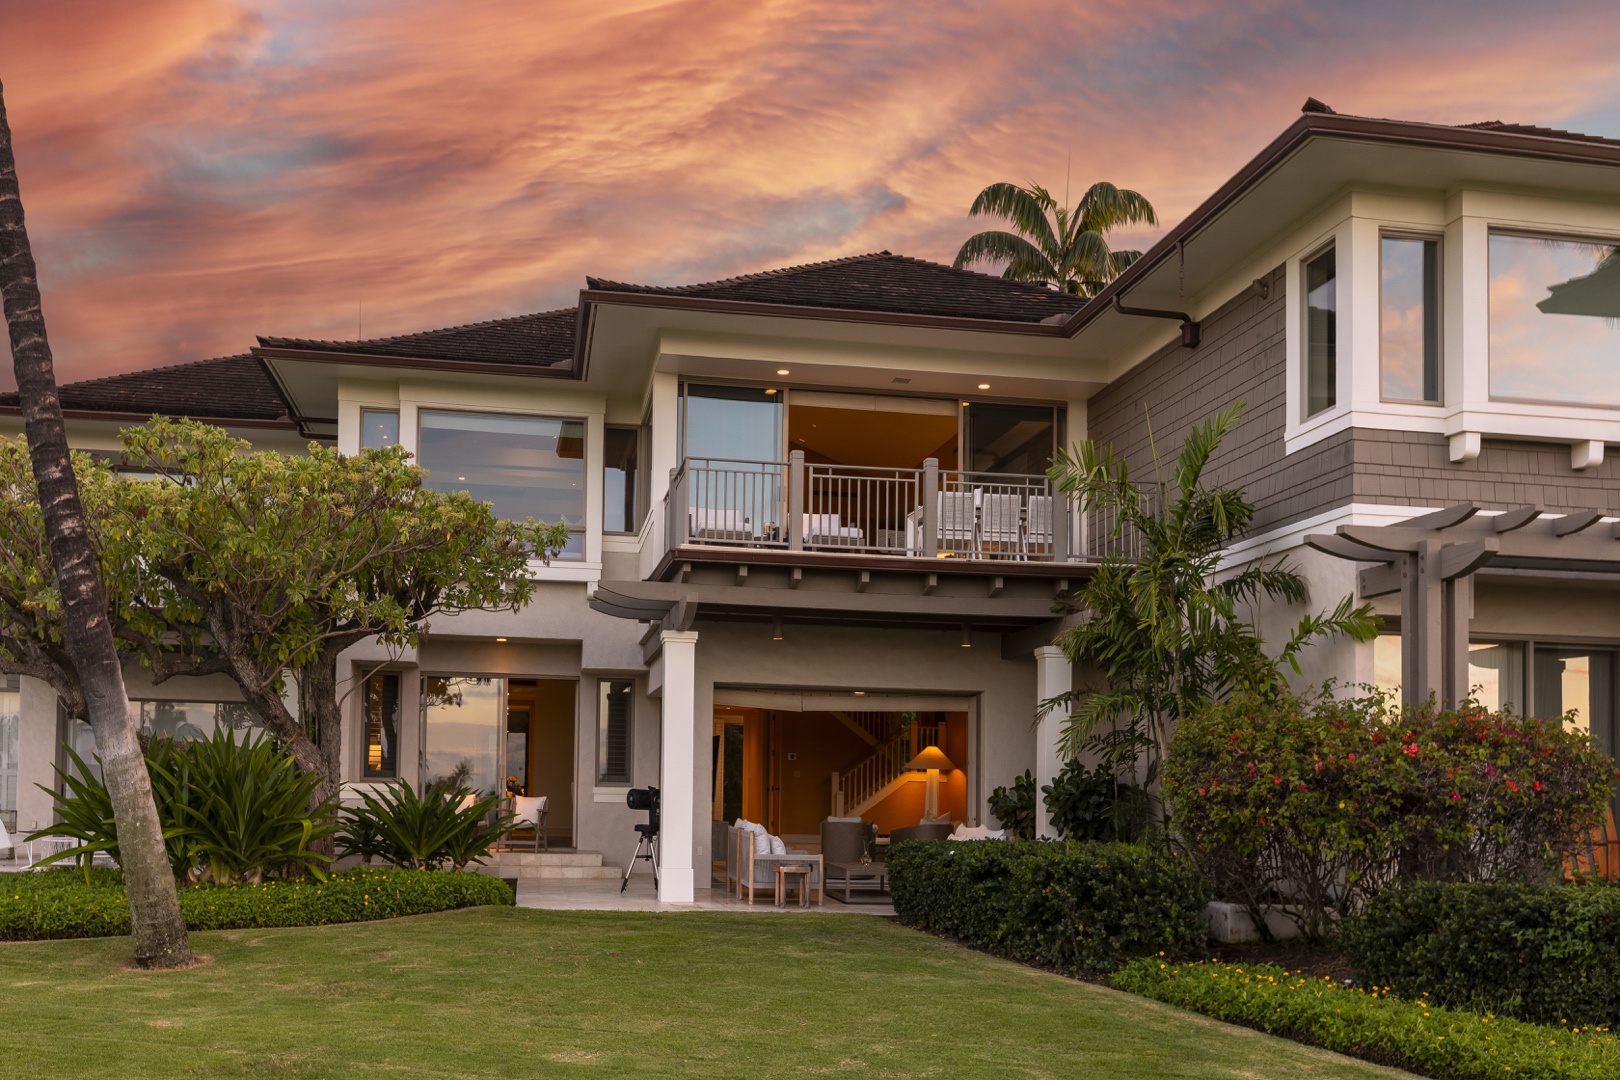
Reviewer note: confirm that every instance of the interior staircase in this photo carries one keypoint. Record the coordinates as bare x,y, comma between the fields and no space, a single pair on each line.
549,866
880,773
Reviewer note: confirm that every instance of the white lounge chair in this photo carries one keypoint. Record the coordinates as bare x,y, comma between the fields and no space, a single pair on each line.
1000,520
829,530
1038,525
529,813
958,521
711,524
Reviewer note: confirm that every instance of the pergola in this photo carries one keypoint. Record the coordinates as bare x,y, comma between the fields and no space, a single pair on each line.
1430,560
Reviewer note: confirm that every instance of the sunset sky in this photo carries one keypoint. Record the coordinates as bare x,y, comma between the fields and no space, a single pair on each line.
196,172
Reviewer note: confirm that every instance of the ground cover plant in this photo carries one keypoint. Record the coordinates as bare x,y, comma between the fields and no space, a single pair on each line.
69,904
507,992
1068,906
1546,954
445,824
1341,798
1375,1024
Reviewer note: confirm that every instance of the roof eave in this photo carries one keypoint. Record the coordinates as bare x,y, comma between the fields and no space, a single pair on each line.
1333,125
284,423
326,356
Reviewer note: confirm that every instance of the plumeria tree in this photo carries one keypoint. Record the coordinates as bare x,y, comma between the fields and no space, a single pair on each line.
263,566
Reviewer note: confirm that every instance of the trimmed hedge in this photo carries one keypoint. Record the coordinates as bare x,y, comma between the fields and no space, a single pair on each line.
1543,954
61,904
1375,1025
1069,906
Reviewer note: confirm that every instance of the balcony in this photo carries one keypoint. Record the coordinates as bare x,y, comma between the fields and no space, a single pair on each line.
880,513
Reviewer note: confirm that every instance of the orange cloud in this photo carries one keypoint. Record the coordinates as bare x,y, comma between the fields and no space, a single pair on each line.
200,171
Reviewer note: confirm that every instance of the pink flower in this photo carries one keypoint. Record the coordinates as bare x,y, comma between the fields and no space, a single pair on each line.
1411,749
1512,786
1454,795
1318,766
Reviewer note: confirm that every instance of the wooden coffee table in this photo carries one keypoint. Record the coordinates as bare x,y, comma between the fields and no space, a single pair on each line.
866,876
798,870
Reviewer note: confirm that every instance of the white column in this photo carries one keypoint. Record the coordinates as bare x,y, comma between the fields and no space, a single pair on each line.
36,754
678,764
1053,676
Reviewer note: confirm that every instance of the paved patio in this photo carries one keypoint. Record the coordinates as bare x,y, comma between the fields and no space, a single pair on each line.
588,895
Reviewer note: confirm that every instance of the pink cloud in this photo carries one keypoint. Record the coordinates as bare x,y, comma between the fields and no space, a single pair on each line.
200,171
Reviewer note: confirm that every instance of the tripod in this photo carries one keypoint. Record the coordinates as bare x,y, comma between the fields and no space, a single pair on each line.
646,848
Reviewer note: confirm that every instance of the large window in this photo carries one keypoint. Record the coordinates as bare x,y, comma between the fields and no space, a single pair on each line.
1409,319
382,726
732,423
1554,320
621,451
615,710
1017,439
187,720
1321,333
462,727
378,428
523,466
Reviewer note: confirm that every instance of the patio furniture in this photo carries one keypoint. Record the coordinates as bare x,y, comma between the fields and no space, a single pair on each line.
1001,521
755,871
958,520
711,524
1038,536
843,842
793,870
1599,856
529,812
8,845
829,530
930,830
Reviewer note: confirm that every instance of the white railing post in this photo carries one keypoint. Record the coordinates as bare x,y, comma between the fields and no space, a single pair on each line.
1062,523
930,508
795,500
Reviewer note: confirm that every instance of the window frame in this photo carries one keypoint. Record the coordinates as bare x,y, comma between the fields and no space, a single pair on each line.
604,686
1306,415
1535,234
398,424
582,530
1440,314
366,775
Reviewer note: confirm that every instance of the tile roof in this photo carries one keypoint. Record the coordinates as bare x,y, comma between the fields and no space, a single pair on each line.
225,388
1544,132
544,340
879,282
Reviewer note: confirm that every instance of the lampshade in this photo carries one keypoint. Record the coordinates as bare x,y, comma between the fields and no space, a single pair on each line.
931,757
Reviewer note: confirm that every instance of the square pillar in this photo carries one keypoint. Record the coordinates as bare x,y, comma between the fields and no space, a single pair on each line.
37,740
677,767
1054,675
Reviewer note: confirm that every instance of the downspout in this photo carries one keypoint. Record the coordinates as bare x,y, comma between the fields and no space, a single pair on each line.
1190,334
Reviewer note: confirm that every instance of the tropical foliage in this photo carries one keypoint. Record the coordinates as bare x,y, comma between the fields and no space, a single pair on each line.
231,812
446,824
253,564
1014,807
1311,805
1168,629
1053,243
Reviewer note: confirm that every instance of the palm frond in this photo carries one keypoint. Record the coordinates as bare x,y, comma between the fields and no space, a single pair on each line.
1025,262
1026,209
1105,206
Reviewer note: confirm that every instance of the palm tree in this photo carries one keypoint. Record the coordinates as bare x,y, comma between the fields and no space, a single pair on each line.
1062,247
158,928
1169,629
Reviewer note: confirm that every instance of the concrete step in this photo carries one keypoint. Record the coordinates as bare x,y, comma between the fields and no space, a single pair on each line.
553,872
545,858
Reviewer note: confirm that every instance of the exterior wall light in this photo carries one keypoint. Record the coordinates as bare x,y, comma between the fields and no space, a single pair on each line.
967,636
776,628
783,371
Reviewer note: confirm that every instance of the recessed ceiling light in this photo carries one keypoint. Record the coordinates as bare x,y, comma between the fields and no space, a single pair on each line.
860,693
461,478
500,639
772,390
984,386
783,371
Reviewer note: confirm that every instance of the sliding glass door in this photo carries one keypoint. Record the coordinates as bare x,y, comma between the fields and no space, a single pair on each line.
463,724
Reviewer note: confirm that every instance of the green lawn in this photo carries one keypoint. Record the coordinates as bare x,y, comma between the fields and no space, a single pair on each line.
516,993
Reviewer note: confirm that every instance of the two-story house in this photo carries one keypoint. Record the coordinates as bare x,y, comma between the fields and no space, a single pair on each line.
812,530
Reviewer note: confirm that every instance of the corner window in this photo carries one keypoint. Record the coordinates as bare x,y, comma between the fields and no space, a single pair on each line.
620,485
1321,333
382,726
1554,320
523,466
1409,319
615,710
378,428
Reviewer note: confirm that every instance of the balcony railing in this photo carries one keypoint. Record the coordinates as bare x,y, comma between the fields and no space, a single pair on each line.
922,513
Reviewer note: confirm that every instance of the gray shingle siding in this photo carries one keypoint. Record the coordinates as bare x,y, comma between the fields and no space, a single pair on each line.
1244,356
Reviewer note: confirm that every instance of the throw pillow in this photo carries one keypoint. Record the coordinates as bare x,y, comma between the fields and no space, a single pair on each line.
777,846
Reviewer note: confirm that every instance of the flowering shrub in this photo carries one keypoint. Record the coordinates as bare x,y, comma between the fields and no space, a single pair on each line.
1312,804
1070,906
69,904
1547,954
1373,1023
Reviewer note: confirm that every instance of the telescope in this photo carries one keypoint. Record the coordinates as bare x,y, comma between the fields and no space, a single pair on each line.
646,800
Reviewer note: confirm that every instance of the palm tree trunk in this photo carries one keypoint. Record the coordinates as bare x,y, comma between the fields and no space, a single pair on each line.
154,908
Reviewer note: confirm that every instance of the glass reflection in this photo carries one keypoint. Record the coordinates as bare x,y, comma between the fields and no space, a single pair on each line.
1409,319
1321,333
1554,320
1496,674
462,728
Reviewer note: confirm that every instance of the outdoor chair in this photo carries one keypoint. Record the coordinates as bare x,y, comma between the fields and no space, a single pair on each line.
710,524
928,830
958,521
1000,521
843,842
1037,526
1600,855
829,530
755,871
529,813
9,846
